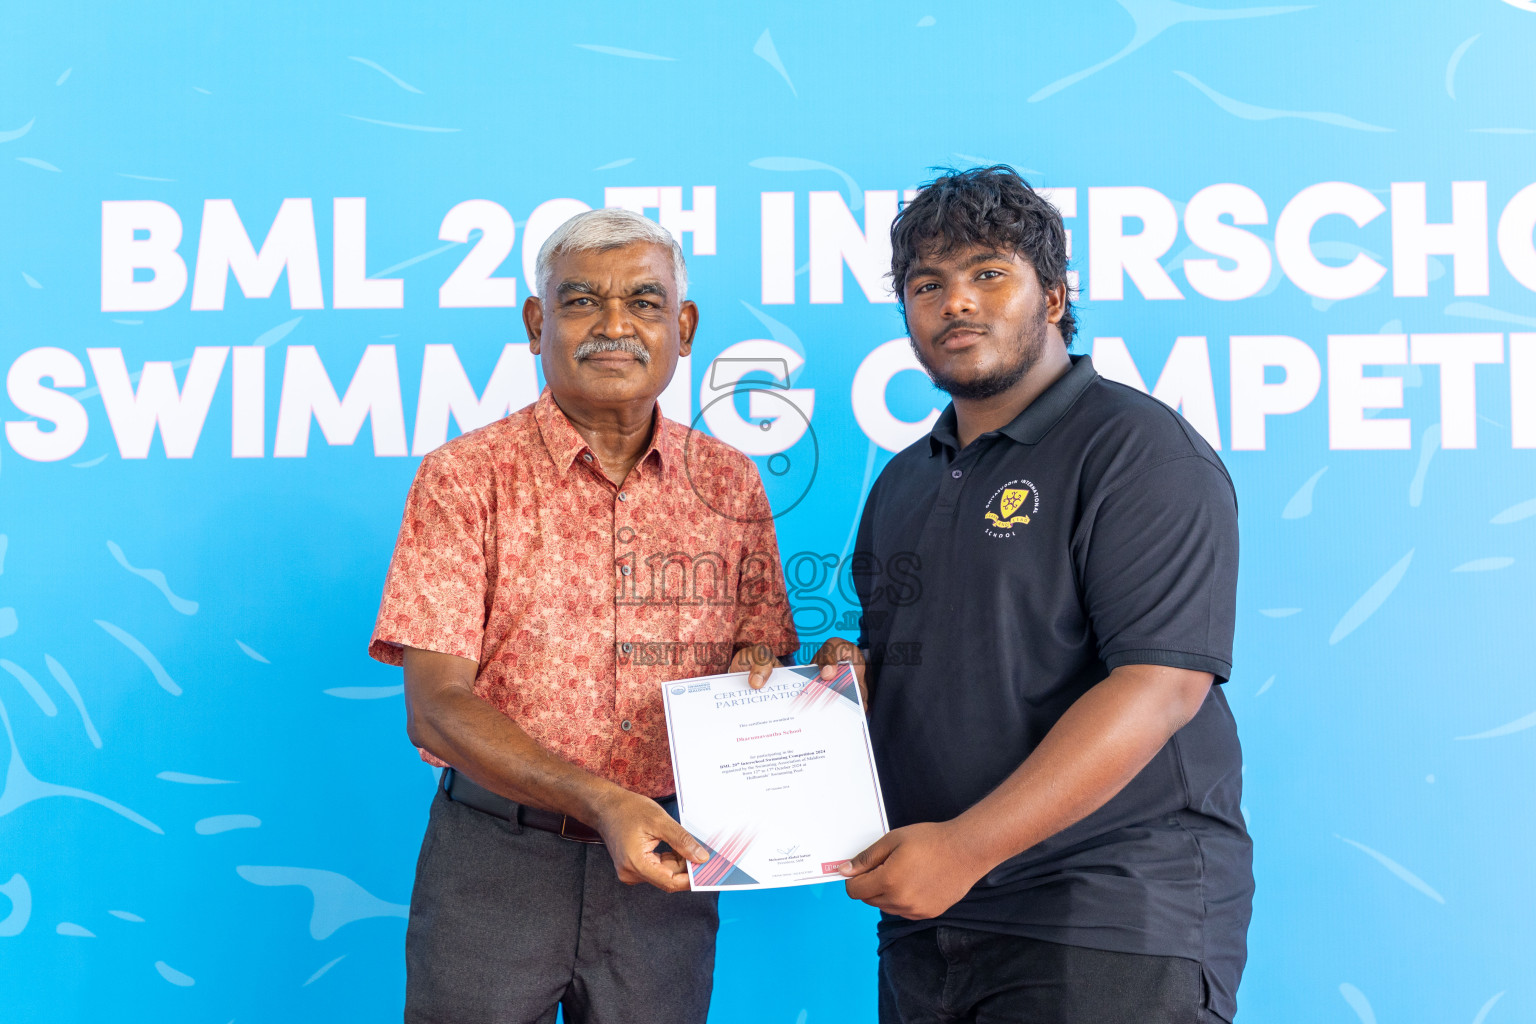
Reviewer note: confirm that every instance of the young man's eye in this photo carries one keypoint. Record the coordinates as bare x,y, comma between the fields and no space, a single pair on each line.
985,274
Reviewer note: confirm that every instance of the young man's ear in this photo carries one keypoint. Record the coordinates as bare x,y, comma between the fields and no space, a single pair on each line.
1056,303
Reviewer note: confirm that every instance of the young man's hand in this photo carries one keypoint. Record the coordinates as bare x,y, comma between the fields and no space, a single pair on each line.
838,650
917,872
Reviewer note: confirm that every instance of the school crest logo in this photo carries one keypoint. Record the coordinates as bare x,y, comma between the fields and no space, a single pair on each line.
1011,507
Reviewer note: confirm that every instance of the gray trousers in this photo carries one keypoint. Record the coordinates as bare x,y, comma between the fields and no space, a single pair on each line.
507,923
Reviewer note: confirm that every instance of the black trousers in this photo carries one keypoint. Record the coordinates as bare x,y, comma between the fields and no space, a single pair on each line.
947,975
507,923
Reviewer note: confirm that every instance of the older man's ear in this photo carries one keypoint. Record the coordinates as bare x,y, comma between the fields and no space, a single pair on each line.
687,326
533,322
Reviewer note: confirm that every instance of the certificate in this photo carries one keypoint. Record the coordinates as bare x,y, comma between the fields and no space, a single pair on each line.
778,783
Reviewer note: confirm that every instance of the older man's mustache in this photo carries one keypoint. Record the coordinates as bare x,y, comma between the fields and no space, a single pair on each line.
597,346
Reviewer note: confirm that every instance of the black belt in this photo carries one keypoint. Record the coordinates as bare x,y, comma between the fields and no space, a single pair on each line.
463,790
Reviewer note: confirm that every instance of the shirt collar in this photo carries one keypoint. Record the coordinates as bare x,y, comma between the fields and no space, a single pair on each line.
565,443
1037,419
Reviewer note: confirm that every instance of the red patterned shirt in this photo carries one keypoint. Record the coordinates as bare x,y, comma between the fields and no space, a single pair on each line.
578,598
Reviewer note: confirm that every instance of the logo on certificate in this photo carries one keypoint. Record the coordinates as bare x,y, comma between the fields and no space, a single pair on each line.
1011,507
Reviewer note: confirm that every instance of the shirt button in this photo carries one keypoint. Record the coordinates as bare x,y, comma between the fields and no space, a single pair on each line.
586,456
626,725
624,570
623,495
957,473
626,648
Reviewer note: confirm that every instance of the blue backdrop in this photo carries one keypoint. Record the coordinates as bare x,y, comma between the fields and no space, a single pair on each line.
183,638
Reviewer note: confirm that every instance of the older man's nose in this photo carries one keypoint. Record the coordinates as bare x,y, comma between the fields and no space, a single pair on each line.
615,322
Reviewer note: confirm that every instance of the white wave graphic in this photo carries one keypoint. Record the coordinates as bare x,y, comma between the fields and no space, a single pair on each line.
365,692
1518,725
1478,311
16,133
192,780
1482,1014
22,787
1454,62
156,578
1251,112
1397,869
1357,1002
855,195
765,49
20,894
265,340
68,685
225,823
1153,18
1515,513
320,973
397,124
141,652
1371,600
32,686
1300,505
413,261
615,51
407,86
1429,444
1485,564
338,900
251,652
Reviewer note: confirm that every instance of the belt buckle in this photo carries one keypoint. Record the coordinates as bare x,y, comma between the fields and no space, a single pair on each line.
564,818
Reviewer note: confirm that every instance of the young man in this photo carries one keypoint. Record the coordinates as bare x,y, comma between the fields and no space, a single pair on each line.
1062,775
534,556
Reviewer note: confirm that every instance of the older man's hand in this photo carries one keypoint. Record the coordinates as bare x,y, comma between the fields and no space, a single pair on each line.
757,661
632,826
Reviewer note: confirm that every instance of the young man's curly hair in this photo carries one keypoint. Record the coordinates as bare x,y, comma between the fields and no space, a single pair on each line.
991,207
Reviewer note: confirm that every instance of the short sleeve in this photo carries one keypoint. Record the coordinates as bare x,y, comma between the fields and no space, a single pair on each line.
435,594
863,569
764,615
1159,568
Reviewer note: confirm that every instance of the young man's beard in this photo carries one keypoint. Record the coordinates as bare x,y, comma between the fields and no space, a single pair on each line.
1028,346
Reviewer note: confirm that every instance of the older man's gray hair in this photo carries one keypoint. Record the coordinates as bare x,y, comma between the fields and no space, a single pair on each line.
599,230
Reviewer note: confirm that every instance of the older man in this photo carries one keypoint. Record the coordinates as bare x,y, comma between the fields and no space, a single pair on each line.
536,556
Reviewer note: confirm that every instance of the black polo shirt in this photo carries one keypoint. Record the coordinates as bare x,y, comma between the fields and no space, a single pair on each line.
999,584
